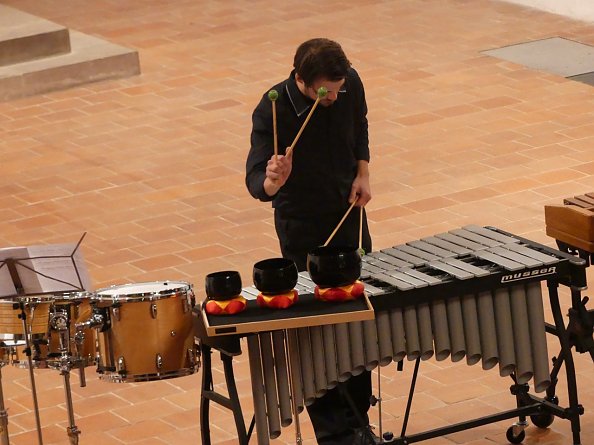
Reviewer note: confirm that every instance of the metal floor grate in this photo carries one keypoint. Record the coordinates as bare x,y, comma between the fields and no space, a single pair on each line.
555,55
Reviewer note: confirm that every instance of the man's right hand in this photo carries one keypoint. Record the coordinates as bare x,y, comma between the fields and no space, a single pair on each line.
277,173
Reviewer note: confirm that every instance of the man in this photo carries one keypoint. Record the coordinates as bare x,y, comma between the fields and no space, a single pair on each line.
312,187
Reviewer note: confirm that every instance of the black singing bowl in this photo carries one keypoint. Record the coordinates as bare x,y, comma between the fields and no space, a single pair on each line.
222,285
275,276
334,266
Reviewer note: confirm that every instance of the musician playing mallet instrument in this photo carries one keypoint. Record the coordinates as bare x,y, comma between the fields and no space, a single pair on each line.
313,184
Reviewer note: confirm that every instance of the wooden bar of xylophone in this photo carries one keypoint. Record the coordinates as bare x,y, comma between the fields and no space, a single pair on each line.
573,222
473,292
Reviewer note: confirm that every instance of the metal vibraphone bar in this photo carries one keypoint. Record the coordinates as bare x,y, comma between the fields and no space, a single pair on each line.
473,292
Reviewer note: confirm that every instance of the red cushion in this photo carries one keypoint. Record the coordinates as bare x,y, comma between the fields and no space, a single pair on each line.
225,307
281,301
344,293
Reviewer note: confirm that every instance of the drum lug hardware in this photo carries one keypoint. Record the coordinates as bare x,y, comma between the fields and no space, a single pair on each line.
79,337
185,305
98,319
153,310
59,321
194,358
121,367
159,361
173,333
116,313
102,318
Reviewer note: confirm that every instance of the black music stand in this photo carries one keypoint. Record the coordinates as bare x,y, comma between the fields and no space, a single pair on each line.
34,271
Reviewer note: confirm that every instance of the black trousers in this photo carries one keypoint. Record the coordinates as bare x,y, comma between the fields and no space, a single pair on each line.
334,419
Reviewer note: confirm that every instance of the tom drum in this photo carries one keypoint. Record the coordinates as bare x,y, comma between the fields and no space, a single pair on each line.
12,334
147,332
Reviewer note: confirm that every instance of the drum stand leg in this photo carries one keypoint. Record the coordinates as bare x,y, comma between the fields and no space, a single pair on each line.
79,338
3,415
23,317
72,430
60,323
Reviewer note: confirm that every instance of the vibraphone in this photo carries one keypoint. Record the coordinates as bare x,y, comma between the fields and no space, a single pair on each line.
473,292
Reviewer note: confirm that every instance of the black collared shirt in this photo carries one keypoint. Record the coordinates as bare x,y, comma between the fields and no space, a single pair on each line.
325,157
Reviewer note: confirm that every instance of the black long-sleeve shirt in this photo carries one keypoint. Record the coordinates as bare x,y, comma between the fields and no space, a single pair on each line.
324,159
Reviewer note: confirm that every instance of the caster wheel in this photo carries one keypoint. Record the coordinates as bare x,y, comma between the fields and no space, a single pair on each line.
514,439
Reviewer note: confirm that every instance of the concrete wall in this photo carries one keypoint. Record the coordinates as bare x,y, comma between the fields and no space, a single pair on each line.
576,9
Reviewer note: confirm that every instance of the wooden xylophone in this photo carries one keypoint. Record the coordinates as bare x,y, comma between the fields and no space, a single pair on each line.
473,292
572,225
573,222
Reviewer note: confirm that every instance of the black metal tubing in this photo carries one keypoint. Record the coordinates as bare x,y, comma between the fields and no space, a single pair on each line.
457,427
231,402
411,393
575,409
527,405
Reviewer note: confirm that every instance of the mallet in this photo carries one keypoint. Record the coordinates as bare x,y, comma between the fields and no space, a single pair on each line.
273,95
361,250
322,92
340,222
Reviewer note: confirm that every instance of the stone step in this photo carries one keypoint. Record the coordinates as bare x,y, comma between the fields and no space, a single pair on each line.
27,37
91,59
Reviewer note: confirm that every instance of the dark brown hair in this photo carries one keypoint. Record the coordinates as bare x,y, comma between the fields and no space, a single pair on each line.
320,58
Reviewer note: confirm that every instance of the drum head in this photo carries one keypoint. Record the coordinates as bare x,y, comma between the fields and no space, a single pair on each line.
142,291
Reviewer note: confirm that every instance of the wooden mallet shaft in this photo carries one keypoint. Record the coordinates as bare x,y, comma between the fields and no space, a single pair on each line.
322,92
360,229
340,223
273,95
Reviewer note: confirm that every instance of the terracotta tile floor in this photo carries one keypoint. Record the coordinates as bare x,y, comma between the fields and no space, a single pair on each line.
151,167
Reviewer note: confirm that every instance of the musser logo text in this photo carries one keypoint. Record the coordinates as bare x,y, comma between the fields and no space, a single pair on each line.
528,274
